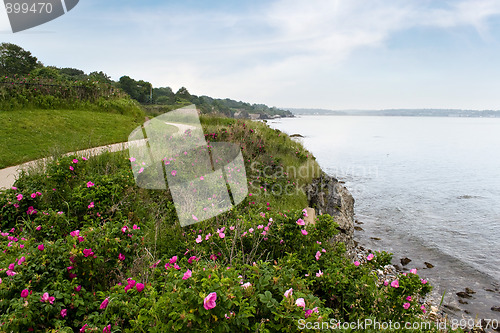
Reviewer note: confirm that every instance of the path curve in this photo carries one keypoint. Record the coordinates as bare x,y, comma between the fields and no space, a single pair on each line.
9,175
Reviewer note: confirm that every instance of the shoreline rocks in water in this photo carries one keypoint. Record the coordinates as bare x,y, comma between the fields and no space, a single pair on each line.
328,195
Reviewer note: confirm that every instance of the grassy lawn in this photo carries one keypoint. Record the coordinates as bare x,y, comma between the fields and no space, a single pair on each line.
27,135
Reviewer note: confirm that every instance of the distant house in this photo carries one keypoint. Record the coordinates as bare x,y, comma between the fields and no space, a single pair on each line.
254,116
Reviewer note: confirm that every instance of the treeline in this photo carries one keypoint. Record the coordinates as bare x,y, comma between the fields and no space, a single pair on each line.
26,82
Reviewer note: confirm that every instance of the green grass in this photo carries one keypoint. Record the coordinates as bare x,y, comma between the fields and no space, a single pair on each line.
31,134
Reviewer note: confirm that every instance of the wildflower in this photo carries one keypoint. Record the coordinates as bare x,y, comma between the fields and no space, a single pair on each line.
191,259
187,275
250,230
301,222
75,161
304,232
91,205
31,211
46,297
132,159
413,271
423,281
300,302
201,178
406,306
386,283
213,257
104,304
24,293
90,184
370,257
194,217
75,233
222,235
124,229
19,197
289,292
71,168
208,236
41,247
260,226
319,274
78,288
246,285
20,261
33,195
64,313
88,253
140,287
107,329
408,298
422,308
395,284
141,170
80,239
84,327
173,260
282,241
209,301
357,263
231,228
121,257
198,239
318,254
174,172
10,272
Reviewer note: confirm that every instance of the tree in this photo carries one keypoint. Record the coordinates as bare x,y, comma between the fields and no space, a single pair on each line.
100,77
138,90
16,60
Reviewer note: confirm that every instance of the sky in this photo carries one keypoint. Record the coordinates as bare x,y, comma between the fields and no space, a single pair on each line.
329,54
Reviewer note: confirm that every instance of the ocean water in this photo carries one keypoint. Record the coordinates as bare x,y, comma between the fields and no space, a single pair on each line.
425,188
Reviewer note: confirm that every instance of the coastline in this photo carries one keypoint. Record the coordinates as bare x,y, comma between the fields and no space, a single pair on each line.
473,297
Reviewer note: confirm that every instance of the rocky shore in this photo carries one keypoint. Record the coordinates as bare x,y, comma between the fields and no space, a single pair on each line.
328,195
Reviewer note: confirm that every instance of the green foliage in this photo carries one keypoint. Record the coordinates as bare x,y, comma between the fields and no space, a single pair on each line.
15,60
114,255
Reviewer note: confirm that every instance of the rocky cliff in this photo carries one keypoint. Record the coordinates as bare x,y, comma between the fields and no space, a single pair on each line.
327,195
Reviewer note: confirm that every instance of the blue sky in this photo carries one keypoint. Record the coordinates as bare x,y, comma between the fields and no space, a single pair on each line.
344,54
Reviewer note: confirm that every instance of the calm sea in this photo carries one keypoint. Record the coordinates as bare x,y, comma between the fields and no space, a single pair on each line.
429,188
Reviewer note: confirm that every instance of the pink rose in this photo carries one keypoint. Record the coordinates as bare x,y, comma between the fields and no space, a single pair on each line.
209,301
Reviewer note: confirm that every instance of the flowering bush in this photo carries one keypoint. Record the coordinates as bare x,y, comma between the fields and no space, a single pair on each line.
84,249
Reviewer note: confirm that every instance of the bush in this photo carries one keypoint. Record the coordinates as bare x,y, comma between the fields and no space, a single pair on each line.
85,249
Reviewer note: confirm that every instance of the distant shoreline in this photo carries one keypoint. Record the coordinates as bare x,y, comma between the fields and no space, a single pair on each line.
400,113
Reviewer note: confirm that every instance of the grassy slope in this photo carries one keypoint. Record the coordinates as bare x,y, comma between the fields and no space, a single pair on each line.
26,135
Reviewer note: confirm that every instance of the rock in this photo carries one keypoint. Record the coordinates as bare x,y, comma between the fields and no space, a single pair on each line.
405,261
358,228
490,290
296,136
311,216
469,291
375,238
462,301
463,294
358,222
451,307
495,308
397,268
428,264
327,195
